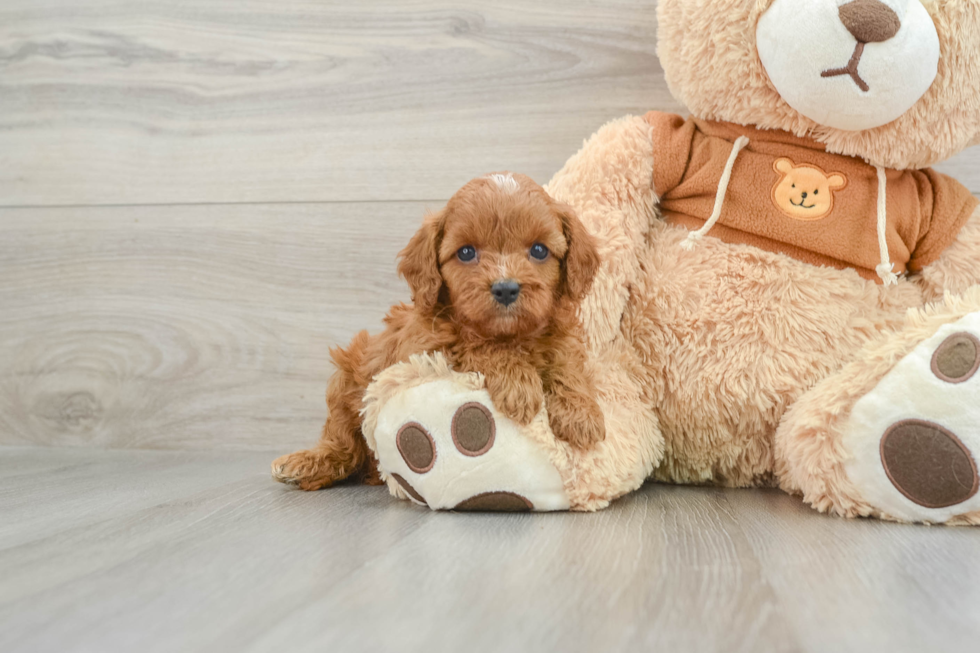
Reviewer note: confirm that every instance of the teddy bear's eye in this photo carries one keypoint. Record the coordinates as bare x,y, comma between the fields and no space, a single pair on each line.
794,185
816,192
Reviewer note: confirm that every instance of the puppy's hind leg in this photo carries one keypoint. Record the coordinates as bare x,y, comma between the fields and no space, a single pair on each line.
341,451
324,465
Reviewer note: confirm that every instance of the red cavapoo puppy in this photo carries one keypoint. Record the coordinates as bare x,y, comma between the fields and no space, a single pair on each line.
496,279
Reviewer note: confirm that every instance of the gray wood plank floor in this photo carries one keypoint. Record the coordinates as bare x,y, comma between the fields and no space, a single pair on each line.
197,327
199,551
156,102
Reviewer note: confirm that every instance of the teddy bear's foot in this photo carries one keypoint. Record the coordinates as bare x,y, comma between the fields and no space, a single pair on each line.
445,446
915,439
895,433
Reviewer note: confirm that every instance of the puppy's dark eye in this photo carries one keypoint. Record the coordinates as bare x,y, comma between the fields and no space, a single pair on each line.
539,252
466,254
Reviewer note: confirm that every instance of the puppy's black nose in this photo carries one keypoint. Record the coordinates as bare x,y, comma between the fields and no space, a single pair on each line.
506,291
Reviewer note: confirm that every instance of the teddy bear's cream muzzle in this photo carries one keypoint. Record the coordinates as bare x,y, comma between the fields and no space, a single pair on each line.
849,64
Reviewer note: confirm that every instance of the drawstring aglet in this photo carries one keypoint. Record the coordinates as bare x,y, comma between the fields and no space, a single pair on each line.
888,277
691,241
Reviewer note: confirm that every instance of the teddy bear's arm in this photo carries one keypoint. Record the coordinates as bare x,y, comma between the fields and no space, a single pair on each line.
614,167
610,184
957,267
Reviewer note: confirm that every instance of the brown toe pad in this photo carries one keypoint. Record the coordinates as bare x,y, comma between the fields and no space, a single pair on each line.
417,448
957,360
473,430
496,502
929,464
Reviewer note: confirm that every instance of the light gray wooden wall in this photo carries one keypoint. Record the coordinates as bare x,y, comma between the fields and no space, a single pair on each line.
198,199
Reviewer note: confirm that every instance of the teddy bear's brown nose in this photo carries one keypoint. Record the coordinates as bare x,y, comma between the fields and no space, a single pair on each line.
870,21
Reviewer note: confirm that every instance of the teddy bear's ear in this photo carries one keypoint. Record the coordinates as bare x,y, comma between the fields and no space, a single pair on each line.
784,166
837,182
419,263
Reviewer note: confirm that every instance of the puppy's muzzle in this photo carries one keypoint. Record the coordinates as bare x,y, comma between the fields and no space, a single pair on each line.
505,291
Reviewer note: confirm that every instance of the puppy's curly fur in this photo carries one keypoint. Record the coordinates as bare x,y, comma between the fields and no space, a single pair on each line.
499,228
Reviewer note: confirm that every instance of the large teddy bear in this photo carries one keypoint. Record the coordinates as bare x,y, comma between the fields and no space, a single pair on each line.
788,295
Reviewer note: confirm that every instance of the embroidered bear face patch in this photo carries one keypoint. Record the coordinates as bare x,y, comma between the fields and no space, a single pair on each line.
805,192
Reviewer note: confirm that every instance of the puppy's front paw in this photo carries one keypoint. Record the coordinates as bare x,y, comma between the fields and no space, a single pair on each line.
576,419
519,401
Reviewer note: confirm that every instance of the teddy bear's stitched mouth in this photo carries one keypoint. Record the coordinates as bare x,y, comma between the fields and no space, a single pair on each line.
801,205
851,69
868,21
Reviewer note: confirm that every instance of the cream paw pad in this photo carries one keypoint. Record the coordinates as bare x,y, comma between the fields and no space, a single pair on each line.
923,464
440,443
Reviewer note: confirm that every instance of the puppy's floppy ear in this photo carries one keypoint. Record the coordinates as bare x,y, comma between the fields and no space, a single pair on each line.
581,262
419,263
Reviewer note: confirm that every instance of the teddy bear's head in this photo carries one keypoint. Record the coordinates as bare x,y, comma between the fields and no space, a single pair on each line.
896,82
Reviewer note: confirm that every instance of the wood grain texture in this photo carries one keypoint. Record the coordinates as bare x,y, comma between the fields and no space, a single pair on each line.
186,327
156,102
881,566
166,551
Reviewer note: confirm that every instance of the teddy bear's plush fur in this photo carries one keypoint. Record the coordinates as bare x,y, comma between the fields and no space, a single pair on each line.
720,362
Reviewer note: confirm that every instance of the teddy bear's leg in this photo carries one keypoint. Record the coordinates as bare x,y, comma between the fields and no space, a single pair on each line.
895,433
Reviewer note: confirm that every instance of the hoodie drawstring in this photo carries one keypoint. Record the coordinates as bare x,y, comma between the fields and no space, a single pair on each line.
726,177
888,277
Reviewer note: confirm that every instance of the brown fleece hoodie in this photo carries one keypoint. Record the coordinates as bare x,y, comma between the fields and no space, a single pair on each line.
789,195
